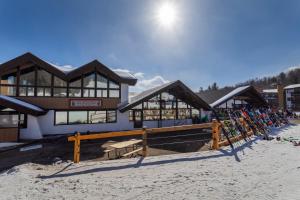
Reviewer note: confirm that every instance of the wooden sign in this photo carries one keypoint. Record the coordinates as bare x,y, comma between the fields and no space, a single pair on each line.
85,103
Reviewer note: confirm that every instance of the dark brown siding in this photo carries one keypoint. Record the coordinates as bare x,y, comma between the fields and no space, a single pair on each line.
8,134
61,103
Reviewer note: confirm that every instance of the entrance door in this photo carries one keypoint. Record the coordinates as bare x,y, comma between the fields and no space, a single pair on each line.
138,118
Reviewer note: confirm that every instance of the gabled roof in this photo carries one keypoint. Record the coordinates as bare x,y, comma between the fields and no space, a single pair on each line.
176,88
292,86
247,93
67,73
210,96
20,106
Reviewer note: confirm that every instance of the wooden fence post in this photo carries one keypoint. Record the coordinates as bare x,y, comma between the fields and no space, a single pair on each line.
77,148
145,145
215,134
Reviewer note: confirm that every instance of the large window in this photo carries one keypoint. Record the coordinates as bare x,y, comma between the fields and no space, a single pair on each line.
97,117
8,84
43,83
114,89
59,87
102,86
89,84
78,117
12,120
27,82
75,88
35,81
85,117
165,107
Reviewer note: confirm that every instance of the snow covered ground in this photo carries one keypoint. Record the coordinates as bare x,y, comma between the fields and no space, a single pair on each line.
256,170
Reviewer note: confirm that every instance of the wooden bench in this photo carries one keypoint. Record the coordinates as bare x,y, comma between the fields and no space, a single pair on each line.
107,151
132,152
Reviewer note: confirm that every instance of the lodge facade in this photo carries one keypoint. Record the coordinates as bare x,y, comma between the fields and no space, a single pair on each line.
39,99
292,97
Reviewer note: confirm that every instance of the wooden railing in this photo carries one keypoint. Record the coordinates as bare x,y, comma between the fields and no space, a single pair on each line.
215,126
142,132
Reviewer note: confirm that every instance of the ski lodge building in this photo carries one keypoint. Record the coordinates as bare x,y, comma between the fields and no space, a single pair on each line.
271,96
292,97
240,97
39,99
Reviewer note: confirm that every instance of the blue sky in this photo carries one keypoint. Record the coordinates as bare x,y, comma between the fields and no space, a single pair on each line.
212,40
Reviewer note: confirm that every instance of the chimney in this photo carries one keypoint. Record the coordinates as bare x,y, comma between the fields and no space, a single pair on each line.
280,96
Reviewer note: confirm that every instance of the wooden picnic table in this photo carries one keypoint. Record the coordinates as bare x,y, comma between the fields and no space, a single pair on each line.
124,144
121,145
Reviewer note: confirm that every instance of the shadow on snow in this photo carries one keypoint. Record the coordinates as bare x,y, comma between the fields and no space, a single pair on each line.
140,163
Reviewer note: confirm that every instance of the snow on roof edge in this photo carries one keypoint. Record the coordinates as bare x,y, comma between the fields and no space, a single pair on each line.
229,95
292,86
21,103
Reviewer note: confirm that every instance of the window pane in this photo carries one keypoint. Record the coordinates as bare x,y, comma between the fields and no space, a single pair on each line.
8,90
182,104
43,91
9,120
22,91
113,85
59,82
89,81
97,117
151,114
114,93
27,77
44,78
101,81
101,93
9,79
40,92
60,92
89,93
111,116
167,97
61,117
77,117
26,91
47,92
74,92
30,91
75,83
168,114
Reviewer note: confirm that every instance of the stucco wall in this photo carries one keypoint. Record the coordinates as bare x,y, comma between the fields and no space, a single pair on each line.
33,130
48,127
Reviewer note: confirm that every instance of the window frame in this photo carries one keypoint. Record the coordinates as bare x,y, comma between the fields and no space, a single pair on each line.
88,114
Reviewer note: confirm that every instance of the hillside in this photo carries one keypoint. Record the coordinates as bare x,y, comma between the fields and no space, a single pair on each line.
291,76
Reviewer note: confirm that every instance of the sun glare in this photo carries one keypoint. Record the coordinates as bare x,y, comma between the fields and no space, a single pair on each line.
167,15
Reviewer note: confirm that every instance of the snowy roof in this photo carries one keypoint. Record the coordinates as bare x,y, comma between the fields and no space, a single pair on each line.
292,86
124,74
176,88
270,91
248,90
65,68
19,105
68,72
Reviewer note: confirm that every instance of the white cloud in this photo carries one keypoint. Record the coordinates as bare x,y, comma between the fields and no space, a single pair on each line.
139,75
144,83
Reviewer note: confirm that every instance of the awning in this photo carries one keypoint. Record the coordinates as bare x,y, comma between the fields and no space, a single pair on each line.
20,106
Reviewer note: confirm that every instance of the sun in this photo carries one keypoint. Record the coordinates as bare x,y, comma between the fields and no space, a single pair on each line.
167,15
